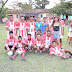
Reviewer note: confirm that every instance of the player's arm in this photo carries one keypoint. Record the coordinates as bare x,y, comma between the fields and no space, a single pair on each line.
7,27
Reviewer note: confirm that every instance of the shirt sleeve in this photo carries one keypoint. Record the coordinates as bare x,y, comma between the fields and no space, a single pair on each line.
7,25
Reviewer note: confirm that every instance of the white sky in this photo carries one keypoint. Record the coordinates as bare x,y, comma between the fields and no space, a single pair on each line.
51,4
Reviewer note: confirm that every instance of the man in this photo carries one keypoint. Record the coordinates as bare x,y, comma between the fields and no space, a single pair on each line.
39,44
31,27
20,50
22,26
11,25
48,38
11,42
50,20
29,42
56,50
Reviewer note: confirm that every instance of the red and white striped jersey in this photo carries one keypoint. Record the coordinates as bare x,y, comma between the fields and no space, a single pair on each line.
31,26
11,42
11,26
50,22
22,29
55,51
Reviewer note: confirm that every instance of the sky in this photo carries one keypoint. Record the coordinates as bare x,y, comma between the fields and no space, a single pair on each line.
51,4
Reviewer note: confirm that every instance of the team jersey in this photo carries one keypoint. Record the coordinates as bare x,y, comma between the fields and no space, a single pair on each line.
70,32
31,26
22,29
55,51
32,41
39,43
11,42
11,26
50,22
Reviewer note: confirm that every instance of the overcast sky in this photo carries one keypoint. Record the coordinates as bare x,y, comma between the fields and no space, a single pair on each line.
51,4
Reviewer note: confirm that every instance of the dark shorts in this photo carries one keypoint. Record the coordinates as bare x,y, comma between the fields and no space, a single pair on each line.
10,47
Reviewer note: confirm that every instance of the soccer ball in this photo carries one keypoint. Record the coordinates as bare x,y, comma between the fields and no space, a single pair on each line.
10,53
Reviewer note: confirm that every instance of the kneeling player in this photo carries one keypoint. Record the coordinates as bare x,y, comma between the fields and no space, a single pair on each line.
39,44
20,49
11,42
56,50
29,42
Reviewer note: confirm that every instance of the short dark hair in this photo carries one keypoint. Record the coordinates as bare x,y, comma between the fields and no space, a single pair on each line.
19,37
21,16
11,32
10,15
44,17
31,16
53,41
38,34
29,34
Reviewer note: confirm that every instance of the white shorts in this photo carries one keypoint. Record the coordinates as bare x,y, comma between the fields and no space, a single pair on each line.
20,50
46,46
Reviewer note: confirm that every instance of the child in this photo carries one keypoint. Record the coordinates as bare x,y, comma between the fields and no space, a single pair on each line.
45,32
56,50
20,50
70,34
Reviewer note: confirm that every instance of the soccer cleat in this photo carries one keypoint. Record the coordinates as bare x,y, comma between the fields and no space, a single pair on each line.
70,56
11,57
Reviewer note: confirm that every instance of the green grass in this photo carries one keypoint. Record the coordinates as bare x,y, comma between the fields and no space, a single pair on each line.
35,62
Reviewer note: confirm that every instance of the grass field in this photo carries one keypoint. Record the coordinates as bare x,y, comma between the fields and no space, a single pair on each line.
35,62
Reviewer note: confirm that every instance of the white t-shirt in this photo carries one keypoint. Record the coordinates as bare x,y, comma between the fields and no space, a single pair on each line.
70,33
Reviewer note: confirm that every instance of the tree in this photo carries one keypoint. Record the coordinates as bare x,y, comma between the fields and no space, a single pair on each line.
62,7
39,3
3,4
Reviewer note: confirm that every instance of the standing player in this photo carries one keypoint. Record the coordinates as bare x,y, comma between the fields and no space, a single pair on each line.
50,20
11,25
22,26
31,27
39,44
56,50
11,42
20,50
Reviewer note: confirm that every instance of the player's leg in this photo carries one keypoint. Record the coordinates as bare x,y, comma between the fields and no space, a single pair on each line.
23,56
69,41
41,48
30,47
60,43
35,48
14,56
64,57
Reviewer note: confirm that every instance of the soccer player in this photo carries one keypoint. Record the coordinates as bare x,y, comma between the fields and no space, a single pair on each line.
56,50
11,25
70,34
11,42
39,44
20,50
22,26
29,42
31,26
50,20
48,38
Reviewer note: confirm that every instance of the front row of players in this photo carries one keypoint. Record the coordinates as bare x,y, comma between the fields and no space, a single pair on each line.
41,43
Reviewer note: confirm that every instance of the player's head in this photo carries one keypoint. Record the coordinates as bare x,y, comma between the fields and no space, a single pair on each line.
20,38
29,36
11,33
50,16
44,19
38,19
31,18
11,17
39,31
53,43
48,33
38,36
46,28
22,18
59,16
